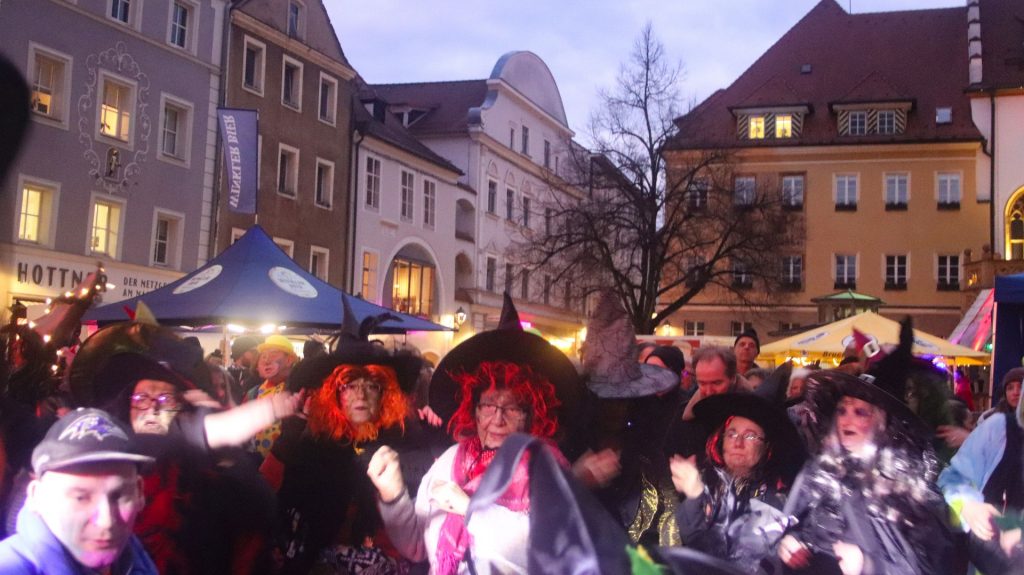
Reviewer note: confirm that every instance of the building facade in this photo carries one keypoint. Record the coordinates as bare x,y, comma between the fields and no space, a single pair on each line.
284,61
117,166
862,123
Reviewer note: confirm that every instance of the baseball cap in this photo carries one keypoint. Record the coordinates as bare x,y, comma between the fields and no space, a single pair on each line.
85,435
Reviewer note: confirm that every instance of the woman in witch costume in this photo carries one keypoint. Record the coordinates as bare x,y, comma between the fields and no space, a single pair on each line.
734,500
328,519
492,385
868,503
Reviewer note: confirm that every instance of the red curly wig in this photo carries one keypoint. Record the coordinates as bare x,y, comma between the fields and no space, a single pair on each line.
530,389
327,418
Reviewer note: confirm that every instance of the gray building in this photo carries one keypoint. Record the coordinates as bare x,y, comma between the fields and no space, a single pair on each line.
118,165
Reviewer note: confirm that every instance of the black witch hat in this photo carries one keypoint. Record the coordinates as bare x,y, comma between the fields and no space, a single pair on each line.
351,346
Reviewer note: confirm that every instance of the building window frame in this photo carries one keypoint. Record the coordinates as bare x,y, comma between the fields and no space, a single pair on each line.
744,191
123,113
792,272
547,154
408,196
490,273
510,203
182,132
492,196
258,65
370,273
857,123
124,12
525,137
291,89
323,185
287,171
756,126
793,186
331,104
171,239
46,218
182,35
846,191
371,183
693,328
112,228
57,102
885,122
844,270
897,190
429,203
896,271
319,257
946,196
296,20
783,126
947,272
527,205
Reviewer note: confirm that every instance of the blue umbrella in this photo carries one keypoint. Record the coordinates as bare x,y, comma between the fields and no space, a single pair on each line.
254,282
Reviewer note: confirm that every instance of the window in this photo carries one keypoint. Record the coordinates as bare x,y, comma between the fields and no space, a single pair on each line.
547,154
943,115
949,273
175,129
492,197
738,327
319,260
291,84
524,291
693,328
697,194
492,269
295,19
372,183
116,111
369,280
783,125
948,190
328,98
526,212
547,290
741,277
167,239
510,200
743,191
408,189
846,192
323,195
887,121
120,10
429,203
695,272
105,232
755,127
792,271
287,246
412,290
35,212
509,277
512,138
846,271
526,141
181,23
49,83
793,191
858,124
896,272
254,65
896,191
287,171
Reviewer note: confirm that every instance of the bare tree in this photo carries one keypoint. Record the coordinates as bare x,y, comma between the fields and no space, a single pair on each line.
620,218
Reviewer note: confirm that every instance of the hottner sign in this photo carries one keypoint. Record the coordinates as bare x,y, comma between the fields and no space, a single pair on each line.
44,277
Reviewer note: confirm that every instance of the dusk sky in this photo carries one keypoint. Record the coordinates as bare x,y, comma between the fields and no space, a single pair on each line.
582,41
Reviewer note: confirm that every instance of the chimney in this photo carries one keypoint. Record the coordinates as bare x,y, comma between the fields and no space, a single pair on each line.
974,41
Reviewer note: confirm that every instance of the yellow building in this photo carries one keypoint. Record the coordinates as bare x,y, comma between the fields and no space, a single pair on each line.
862,123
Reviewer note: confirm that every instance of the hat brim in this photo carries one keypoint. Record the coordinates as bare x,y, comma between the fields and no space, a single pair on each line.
513,346
652,381
311,373
788,454
96,457
829,386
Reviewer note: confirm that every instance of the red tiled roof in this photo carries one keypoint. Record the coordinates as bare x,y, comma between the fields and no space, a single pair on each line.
448,103
918,56
1002,43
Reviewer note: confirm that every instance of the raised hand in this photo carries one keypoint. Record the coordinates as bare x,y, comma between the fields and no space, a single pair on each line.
385,471
686,476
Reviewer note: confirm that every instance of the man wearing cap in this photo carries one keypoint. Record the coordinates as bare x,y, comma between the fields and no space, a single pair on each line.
82,504
746,347
277,356
243,368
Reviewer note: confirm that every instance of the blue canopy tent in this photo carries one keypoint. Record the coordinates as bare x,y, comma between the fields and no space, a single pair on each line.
254,282
1009,341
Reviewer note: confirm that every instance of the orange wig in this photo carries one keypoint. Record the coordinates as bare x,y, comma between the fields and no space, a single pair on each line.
327,417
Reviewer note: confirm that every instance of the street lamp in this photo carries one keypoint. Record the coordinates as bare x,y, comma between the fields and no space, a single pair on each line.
460,318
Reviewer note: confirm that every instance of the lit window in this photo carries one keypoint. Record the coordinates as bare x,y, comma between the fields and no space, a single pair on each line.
858,124
793,191
324,183
288,171
887,121
369,275
412,290
174,130
106,228
783,126
755,127
492,197
846,191
492,270
792,270
291,83
949,188
408,189
318,262
116,110
49,85
35,212
693,328
744,191
846,271
120,10
166,234
372,182
328,98
896,271
949,272
429,203
180,14
896,190
252,74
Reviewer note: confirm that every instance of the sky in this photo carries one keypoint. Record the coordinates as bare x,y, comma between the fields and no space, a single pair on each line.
583,42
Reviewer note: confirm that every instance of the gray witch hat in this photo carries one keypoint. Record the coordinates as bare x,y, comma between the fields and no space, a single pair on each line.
609,356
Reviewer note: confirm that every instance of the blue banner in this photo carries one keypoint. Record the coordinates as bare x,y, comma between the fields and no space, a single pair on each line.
240,132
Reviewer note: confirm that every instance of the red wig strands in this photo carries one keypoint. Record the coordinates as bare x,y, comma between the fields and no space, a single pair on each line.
327,418
530,389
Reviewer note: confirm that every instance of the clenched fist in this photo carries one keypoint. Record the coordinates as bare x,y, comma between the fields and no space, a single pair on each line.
385,472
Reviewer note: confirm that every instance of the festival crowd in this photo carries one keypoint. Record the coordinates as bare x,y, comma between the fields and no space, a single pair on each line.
135,452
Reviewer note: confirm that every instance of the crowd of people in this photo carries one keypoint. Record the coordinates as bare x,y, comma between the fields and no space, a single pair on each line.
145,455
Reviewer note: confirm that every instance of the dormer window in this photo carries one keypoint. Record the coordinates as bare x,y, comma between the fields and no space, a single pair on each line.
887,121
755,128
883,118
858,125
783,125
779,123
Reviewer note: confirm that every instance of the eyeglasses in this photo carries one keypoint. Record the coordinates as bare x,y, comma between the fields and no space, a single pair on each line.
162,402
367,387
512,412
750,436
